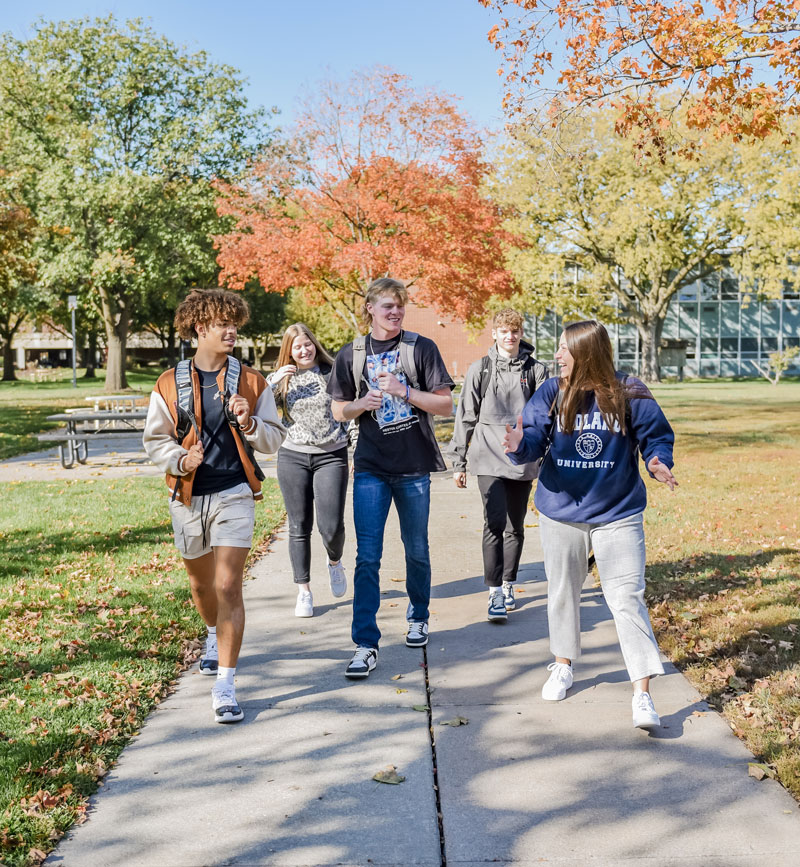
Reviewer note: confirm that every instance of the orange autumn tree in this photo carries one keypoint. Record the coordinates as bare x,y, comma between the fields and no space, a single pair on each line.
737,63
378,178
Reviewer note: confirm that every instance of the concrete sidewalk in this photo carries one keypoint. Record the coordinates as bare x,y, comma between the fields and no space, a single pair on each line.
525,782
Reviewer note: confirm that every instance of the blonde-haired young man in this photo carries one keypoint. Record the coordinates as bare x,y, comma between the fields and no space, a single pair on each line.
392,382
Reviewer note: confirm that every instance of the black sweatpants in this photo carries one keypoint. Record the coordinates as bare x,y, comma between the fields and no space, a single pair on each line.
505,503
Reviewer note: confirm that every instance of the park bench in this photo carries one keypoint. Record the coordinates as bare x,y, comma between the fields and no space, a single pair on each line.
73,439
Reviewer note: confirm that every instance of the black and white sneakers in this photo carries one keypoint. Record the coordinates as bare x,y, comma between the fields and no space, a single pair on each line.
363,662
226,708
417,635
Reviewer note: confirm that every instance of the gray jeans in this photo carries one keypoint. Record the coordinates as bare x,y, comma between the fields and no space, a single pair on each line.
619,551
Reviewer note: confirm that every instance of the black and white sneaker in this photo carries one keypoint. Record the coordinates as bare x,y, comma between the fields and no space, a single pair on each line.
497,607
209,661
362,663
508,596
226,708
417,635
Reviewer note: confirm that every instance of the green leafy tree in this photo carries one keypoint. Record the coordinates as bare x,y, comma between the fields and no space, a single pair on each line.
267,313
125,132
609,236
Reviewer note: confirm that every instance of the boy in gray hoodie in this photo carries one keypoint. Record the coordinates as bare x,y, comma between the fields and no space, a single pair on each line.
495,390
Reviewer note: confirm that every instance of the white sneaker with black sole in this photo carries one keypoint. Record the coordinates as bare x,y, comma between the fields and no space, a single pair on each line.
338,579
497,607
560,680
417,635
226,708
644,713
363,662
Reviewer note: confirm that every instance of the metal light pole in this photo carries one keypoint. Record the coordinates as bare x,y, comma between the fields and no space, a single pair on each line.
72,305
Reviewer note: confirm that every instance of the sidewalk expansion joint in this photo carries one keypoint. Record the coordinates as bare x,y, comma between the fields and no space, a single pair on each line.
434,763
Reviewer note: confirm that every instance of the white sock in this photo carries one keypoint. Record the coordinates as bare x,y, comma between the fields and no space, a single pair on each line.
303,588
212,630
225,676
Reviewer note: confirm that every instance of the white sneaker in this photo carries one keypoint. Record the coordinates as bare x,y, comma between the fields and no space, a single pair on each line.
644,714
305,604
226,708
338,579
558,683
209,661
508,595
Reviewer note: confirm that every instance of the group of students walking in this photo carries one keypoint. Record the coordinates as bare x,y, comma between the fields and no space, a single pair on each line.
581,433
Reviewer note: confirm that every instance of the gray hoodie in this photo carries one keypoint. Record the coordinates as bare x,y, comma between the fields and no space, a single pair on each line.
480,425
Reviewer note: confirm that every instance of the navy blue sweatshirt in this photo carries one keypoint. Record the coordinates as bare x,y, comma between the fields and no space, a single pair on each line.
591,475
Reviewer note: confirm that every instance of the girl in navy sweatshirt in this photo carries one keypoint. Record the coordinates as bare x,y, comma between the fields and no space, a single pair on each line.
590,426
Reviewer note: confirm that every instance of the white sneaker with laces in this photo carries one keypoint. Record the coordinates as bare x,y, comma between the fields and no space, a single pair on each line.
305,604
508,595
644,713
338,579
560,680
226,708
209,661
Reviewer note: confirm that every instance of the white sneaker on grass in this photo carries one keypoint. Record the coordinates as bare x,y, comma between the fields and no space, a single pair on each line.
560,680
304,606
338,579
644,713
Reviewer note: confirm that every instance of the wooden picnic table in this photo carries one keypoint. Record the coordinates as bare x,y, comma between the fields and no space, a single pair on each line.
116,402
73,439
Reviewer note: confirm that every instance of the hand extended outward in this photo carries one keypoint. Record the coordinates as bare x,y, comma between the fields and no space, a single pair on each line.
460,479
662,473
513,436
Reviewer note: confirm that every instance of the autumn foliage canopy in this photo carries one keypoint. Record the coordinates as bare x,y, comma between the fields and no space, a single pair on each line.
377,179
736,63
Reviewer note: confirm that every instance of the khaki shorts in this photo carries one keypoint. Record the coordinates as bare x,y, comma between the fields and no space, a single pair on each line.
225,518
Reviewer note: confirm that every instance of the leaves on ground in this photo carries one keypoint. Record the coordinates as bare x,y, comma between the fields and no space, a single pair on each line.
760,771
420,707
389,775
456,721
397,677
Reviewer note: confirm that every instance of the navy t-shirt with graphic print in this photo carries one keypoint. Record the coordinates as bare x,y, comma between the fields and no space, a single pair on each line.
221,468
392,440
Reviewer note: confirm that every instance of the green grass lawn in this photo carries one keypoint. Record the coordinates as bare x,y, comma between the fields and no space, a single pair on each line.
724,558
24,407
96,622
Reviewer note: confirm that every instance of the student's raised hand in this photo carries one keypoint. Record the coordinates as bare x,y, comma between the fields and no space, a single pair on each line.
662,473
513,436
460,479
372,400
241,409
390,384
193,458
281,372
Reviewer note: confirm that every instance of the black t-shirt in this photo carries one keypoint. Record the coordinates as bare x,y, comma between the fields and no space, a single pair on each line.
392,440
221,468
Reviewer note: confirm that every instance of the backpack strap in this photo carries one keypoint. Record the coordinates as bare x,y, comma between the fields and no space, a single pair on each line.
408,340
185,401
486,376
359,362
233,374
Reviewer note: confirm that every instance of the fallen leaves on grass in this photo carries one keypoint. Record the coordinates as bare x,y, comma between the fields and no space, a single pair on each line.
389,775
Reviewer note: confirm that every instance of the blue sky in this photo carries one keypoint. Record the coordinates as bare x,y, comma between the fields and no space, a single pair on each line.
280,46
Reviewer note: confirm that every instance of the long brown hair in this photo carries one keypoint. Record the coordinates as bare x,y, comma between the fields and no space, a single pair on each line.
285,354
592,371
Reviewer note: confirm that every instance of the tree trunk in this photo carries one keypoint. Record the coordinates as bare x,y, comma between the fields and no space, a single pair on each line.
172,351
90,354
650,333
8,362
117,322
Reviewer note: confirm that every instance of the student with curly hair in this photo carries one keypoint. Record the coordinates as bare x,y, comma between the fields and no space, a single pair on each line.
590,425
211,474
312,462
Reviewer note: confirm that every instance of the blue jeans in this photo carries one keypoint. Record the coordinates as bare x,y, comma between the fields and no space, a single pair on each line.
372,496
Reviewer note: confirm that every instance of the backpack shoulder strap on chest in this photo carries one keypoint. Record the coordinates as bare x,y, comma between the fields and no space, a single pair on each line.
185,399
408,341
485,375
359,362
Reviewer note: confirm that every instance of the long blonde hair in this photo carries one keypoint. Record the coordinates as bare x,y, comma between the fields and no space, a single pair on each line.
294,331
